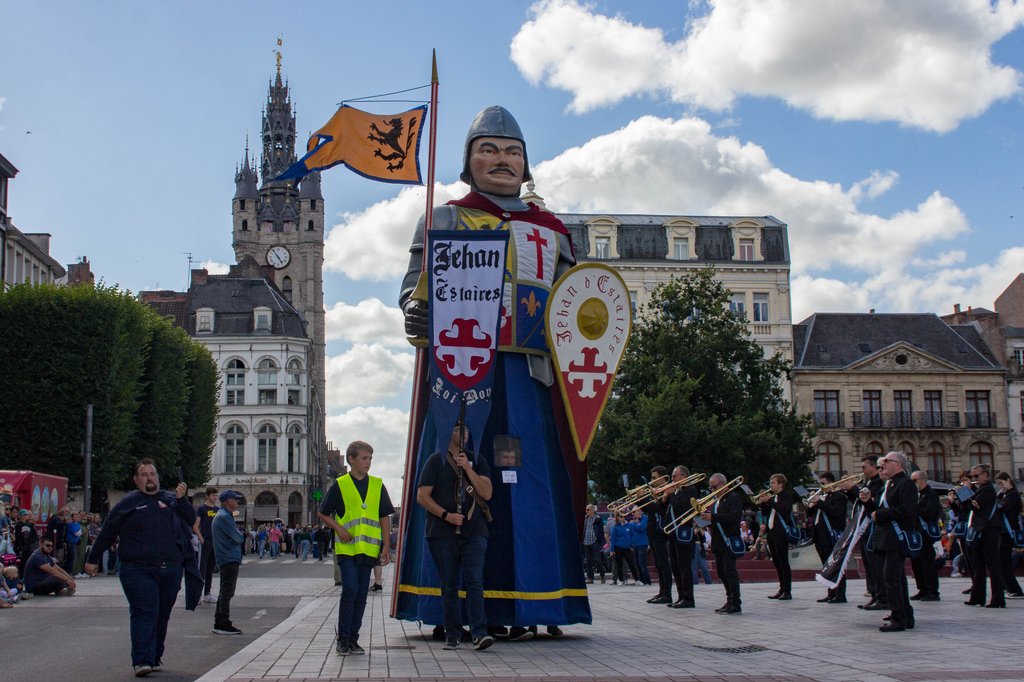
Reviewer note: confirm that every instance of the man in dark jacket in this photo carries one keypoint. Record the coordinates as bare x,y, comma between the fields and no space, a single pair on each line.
828,511
983,540
593,541
778,509
725,520
897,506
681,542
658,541
926,573
152,559
872,561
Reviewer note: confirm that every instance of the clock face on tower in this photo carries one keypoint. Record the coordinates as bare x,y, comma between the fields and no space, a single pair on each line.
278,256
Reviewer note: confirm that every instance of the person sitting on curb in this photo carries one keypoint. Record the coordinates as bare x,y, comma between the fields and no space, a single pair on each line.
44,576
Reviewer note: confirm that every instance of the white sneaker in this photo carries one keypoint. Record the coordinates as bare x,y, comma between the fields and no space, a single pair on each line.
210,598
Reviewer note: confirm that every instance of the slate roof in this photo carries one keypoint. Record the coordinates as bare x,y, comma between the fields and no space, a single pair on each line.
836,340
643,237
233,300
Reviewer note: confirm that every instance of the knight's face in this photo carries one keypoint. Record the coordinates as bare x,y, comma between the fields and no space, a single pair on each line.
497,165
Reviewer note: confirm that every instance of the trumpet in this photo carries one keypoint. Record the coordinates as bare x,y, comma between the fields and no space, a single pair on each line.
634,494
829,487
703,504
692,479
762,496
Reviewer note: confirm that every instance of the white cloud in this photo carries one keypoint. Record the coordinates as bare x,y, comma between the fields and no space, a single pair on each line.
366,374
922,64
369,321
3,100
826,295
373,244
383,428
215,268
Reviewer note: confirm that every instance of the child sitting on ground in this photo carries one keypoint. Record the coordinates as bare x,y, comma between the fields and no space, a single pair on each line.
11,587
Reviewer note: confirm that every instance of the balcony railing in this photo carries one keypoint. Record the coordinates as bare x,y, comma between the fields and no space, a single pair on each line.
945,476
829,419
979,420
906,420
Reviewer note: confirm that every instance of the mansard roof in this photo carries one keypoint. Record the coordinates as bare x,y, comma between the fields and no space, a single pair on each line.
838,340
233,300
643,236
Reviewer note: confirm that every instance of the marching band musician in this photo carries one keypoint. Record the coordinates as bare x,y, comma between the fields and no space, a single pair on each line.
872,561
829,511
680,545
725,517
1009,503
779,510
926,573
962,509
658,540
983,541
897,504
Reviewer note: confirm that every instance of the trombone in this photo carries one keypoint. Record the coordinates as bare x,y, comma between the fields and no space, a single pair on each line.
829,487
703,504
634,494
692,479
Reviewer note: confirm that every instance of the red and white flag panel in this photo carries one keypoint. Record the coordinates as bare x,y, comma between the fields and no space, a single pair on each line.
588,322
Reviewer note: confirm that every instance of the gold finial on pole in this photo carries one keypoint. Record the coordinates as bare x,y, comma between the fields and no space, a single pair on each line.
280,42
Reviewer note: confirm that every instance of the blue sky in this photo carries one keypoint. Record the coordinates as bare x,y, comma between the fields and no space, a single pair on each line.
886,134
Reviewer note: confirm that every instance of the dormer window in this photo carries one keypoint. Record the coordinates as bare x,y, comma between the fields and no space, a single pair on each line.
746,249
602,232
681,248
261,320
204,321
602,247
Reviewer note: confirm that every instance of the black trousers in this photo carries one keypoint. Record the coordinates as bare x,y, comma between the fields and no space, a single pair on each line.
894,577
984,555
725,564
206,563
624,554
778,545
926,573
659,546
592,558
681,560
228,580
872,562
1006,563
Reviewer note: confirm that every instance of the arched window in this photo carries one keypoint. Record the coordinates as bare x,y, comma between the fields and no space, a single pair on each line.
908,448
266,448
937,462
309,226
286,288
295,448
829,458
874,449
267,374
234,450
294,372
981,453
266,499
234,383
245,226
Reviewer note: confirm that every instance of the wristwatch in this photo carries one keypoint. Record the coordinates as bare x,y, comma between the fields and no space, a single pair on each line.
444,515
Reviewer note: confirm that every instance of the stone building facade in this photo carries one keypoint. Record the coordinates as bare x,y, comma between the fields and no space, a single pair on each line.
911,382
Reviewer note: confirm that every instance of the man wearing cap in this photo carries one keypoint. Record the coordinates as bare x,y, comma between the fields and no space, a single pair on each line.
227,548
532,574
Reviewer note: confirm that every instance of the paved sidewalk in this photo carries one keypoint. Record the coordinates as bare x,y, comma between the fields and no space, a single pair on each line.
796,640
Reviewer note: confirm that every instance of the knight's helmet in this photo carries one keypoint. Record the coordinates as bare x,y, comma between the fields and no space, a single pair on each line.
494,122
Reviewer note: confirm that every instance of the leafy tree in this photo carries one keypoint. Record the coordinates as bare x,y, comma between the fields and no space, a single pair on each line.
693,388
200,423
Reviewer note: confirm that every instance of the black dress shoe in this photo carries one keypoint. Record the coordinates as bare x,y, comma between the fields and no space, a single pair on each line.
892,627
968,590
995,605
837,600
875,606
776,595
785,596
916,597
660,600
931,597
868,605
721,608
684,605
730,608
971,602
824,600
909,625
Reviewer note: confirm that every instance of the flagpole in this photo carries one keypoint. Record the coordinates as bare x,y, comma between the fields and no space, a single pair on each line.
416,407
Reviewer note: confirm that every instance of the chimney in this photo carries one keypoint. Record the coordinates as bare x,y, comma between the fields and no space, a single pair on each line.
956,308
199,276
871,312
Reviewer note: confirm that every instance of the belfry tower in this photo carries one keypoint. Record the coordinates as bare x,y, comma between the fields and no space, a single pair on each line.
281,224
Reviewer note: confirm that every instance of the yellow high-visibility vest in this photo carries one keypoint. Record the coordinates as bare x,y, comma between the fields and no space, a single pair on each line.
361,518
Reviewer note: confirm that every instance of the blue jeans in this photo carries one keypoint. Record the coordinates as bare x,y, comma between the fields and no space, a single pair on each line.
275,549
699,566
355,583
451,553
305,549
262,548
151,593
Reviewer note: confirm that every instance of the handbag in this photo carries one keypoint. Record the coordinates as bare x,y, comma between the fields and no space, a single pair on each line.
910,541
930,528
733,544
960,529
792,531
1016,535
684,534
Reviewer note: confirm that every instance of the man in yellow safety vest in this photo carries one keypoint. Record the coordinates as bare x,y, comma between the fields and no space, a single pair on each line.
358,508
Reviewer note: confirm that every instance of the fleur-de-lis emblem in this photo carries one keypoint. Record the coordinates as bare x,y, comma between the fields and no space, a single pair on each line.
532,304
